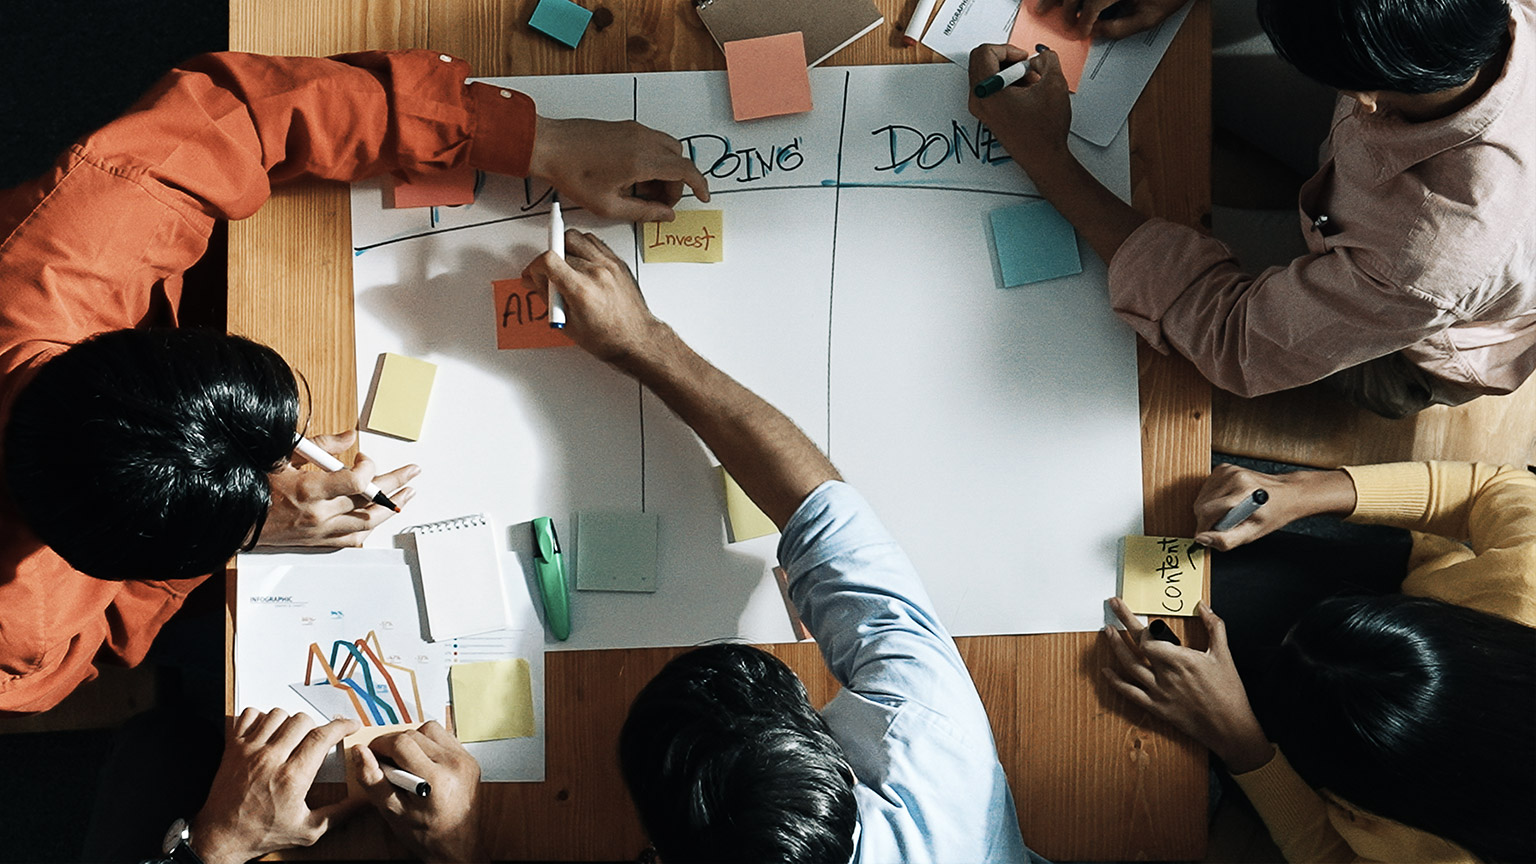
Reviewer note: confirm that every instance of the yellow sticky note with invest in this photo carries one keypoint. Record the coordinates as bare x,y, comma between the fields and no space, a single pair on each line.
746,520
399,400
1161,575
492,700
693,237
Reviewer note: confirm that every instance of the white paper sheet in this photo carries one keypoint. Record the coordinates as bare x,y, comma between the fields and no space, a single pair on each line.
1113,78
996,431
287,601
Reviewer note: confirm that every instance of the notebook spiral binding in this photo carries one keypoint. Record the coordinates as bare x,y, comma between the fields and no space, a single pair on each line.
451,524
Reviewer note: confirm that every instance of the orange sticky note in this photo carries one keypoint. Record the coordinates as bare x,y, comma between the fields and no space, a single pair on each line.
768,76
438,189
1050,29
522,317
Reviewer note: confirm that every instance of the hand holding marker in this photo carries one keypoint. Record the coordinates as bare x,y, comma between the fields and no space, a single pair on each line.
1007,75
312,451
1243,509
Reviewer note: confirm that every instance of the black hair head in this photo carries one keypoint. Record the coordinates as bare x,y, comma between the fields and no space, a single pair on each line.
726,760
1404,46
1417,710
144,454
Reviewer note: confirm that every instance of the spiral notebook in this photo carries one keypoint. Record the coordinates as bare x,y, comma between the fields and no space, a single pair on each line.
460,570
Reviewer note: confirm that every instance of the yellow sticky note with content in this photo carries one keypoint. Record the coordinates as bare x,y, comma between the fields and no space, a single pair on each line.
1161,575
745,519
397,403
492,700
693,237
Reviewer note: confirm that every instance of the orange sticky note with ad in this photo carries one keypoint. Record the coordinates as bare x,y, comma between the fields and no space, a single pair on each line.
437,189
694,237
522,317
768,76
1050,29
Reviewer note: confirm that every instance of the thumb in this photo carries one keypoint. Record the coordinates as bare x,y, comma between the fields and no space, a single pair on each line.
371,777
336,444
1049,62
640,210
1216,627
321,818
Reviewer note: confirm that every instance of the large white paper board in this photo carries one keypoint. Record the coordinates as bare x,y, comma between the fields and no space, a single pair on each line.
995,431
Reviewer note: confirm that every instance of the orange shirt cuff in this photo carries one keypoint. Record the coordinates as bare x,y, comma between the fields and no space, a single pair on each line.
504,122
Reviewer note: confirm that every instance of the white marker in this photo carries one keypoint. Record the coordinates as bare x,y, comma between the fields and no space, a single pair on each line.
1006,76
1241,511
311,451
557,246
406,780
919,21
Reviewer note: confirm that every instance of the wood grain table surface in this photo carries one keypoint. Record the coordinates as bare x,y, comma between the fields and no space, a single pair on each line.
1093,778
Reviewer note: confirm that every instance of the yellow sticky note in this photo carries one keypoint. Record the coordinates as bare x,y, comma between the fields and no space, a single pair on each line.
693,237
492,700
1161,575
745,519
398,400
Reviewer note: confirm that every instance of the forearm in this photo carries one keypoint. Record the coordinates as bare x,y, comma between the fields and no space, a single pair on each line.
775,463
1098,215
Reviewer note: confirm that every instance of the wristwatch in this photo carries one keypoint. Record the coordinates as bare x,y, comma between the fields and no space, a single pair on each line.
177,844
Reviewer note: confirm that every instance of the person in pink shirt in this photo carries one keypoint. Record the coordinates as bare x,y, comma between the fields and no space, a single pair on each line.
1418,286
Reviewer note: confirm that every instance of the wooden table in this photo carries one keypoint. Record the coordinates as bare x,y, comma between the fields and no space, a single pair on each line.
1094,780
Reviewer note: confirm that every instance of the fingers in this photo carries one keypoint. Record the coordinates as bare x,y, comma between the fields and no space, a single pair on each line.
370,775
1047,63
319,741
1145,17
988,59
336,444
265,725
435,732
1088,15
396,479
244,722
1127,661
408,750
321,818
588,247
1217,628
291,732
1128,618
1133,694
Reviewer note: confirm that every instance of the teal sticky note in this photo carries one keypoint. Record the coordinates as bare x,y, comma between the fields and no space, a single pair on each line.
561,20
1034,244
616,552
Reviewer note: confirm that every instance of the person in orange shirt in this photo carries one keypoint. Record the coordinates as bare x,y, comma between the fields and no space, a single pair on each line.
137,458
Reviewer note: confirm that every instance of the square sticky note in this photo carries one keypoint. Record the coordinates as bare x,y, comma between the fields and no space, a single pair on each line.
522,317
746,520
1049,28
695,236
768,76
1034,244
1161,575
397,402
615,552
560,20
438,189
491,700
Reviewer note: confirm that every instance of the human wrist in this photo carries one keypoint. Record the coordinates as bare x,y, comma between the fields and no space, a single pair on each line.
542,157
1248,749
1320,493
658,349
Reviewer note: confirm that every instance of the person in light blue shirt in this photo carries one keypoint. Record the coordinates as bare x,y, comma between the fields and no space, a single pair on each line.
723,754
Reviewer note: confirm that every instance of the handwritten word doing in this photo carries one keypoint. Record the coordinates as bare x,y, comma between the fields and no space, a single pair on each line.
928,150
746,165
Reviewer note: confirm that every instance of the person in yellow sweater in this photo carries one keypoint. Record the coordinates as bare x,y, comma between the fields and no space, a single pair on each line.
1397,727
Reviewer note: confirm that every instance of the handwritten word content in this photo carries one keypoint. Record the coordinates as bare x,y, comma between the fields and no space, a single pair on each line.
522,317
694,237
909,146
1161,575
717,157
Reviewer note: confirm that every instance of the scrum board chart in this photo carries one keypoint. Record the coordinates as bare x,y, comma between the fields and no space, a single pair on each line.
994,430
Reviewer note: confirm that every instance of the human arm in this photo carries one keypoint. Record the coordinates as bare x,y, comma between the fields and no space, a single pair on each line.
1294,495
773,461
257,805
330,508
1088,17
445,824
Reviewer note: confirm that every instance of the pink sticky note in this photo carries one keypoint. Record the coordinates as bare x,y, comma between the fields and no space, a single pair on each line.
768,76
438,189
1050,29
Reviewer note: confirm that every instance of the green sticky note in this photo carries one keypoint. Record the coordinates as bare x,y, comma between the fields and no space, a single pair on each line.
616,552
1034,244
492,700
560,20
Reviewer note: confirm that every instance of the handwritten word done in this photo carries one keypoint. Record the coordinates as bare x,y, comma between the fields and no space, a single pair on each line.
910,146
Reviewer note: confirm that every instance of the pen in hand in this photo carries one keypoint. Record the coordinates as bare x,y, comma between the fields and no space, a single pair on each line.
1241,511
557,246
313,452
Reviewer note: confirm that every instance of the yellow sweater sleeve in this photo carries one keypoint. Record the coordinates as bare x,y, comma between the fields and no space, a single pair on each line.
1491,507
1296,815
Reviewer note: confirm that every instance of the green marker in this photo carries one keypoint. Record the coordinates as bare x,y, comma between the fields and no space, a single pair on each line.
550,565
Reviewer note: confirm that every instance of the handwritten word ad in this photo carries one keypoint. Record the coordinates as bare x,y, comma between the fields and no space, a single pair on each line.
694,237
1162,575
522,317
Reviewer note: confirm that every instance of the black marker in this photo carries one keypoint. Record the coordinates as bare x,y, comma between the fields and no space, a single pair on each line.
1162,632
